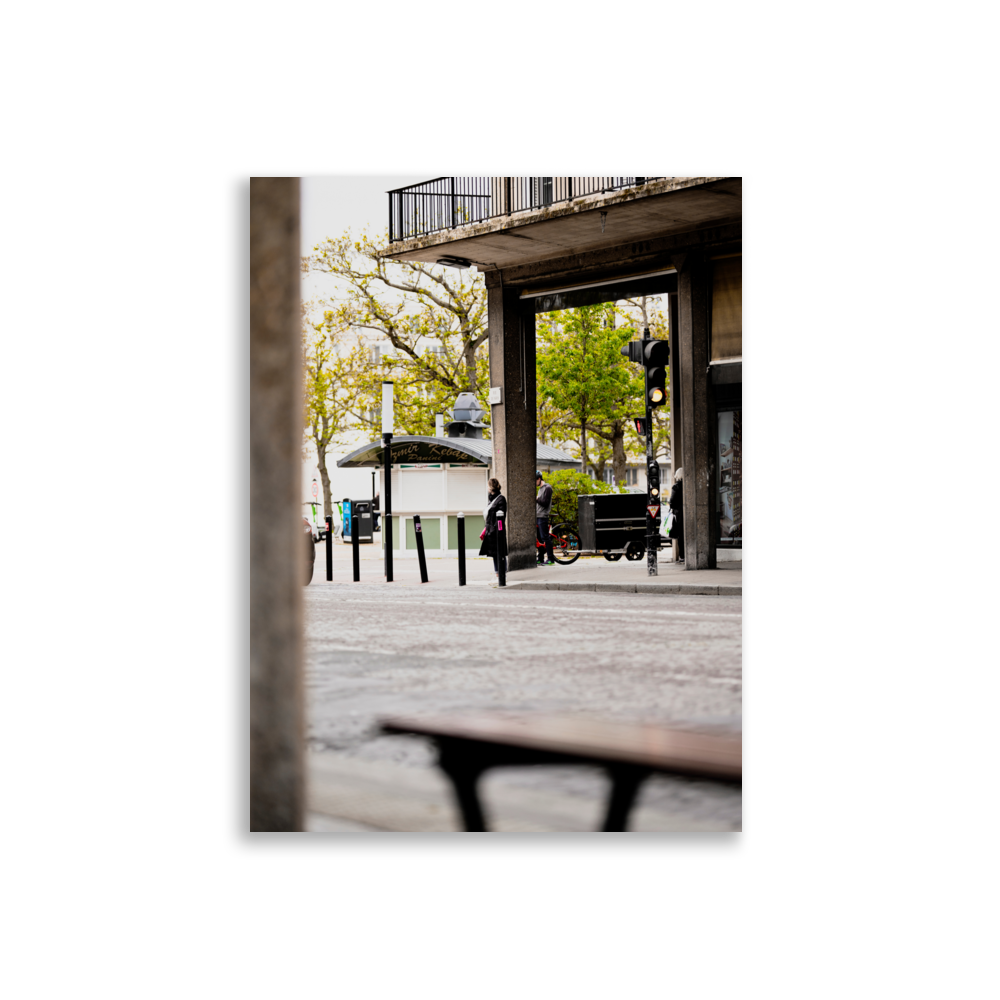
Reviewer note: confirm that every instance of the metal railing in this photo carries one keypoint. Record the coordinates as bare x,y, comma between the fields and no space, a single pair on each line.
446,202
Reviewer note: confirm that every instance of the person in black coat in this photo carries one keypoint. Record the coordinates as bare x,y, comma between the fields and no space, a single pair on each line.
676,504
497,505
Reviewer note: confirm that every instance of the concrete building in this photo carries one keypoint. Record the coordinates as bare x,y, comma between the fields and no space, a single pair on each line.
548,243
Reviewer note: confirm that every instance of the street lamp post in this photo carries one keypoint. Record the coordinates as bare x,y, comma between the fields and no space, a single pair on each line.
387,423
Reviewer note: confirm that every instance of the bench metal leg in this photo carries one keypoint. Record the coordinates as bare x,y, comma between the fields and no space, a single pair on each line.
464,774
625,782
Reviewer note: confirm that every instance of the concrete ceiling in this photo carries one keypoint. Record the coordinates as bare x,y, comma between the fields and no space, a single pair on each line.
660,208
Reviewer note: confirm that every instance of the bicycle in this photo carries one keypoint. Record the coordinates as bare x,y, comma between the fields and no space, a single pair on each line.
565,544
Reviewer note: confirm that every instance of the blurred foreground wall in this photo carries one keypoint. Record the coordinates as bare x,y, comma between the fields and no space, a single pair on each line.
277,785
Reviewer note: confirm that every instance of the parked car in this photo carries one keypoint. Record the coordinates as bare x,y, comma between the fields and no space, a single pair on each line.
307,531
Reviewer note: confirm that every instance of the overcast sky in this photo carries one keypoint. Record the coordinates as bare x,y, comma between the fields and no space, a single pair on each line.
332,204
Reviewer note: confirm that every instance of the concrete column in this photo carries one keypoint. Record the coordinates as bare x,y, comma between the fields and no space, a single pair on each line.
276,543
676,429
698,450
513,419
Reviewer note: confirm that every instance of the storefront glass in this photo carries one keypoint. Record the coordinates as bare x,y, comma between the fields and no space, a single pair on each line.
729,477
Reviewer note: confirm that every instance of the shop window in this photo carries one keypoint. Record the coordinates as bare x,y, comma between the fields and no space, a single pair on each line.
729,478
727,309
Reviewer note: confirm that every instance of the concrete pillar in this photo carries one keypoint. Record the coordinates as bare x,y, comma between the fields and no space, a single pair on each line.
277,555
698,434
512,367
676,429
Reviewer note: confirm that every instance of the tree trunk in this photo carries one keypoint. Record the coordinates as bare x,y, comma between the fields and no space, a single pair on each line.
325,477
583,449
618,459
470,367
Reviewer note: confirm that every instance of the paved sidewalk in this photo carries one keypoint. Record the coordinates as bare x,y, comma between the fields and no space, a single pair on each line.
597,574
588,573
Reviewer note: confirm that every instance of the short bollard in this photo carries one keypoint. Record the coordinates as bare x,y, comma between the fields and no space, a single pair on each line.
461,549
501,552
329,547
355,548
418,531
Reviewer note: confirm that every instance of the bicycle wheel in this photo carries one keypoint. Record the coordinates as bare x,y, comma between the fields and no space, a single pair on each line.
565,544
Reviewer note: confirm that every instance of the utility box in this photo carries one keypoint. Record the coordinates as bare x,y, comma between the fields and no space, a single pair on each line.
363,508
609,521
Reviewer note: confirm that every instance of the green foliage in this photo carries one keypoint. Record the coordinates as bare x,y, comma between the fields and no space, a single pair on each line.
567,485
579,362
433,317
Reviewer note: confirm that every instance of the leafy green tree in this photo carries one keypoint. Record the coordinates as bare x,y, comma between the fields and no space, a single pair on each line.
326,375
433,317
581,371
642,313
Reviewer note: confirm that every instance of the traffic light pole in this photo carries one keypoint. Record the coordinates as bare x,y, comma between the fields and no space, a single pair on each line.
651,533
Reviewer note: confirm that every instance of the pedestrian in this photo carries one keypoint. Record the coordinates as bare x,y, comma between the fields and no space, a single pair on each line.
496,507
676,503
543,507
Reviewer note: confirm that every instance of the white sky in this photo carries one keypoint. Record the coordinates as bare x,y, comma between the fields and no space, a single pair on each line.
332,204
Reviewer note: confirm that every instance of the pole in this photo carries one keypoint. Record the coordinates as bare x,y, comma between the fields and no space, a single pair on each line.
501,551
386,519
329,547
418,531
355,546
651,533
461,549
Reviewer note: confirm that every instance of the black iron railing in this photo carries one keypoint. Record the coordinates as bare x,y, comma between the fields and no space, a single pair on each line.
446,202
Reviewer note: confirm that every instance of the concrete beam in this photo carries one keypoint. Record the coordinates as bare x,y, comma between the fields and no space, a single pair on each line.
277,556
623,259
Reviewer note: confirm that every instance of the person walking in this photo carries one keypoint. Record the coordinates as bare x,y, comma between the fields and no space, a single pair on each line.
543,507
497,506
676,504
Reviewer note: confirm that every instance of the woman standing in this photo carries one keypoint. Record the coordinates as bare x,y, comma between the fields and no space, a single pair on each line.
676,503
497,506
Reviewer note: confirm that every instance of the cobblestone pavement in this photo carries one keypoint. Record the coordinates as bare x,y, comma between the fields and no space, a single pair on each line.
372,651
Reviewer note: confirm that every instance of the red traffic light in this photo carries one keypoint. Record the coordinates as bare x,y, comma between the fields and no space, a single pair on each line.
640,426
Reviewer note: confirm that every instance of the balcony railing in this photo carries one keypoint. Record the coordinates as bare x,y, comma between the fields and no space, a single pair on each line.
446,202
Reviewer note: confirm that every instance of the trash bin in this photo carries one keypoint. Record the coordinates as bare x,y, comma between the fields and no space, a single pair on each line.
609,521
363,508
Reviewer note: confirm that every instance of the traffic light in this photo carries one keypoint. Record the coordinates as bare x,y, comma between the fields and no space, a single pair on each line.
653,479
656,354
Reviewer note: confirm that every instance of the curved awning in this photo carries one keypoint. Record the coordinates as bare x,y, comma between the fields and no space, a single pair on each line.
414,450
410,449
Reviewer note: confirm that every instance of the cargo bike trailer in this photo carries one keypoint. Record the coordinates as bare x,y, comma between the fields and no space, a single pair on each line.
609,524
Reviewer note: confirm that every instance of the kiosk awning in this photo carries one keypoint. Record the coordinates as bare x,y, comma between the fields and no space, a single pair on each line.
411,449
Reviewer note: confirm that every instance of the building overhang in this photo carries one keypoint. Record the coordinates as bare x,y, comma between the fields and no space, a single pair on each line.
665,207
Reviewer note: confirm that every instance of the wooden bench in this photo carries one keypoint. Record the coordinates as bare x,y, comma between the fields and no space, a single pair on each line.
469,744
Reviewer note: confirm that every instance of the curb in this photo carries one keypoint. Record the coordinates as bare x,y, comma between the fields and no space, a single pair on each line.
698,589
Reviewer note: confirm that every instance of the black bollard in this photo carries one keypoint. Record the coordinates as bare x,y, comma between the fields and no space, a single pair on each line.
501,551
461,549
418,531
355,547
329,547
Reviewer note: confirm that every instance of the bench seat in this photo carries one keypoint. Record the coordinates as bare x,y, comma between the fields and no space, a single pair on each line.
470,743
